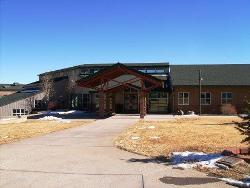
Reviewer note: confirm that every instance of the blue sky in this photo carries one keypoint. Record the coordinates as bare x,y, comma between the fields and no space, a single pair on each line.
42,35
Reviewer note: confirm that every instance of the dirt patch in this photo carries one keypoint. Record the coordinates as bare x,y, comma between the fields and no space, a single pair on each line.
209,134
238,172
12,132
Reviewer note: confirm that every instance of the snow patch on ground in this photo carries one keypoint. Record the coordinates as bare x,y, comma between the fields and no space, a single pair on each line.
142,128
236,182
63,112
135,137
192,159
243,115
154,137
51,115
188,115
52,118
6,119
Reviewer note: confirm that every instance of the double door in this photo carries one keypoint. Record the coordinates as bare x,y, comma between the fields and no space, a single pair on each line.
131,101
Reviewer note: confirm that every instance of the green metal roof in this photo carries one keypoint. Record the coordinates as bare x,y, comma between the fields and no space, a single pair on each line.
5,100
11,87
216,74
161,64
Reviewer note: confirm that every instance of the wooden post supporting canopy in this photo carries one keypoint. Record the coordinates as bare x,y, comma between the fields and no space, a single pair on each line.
142,104
101,104
142,100
107,103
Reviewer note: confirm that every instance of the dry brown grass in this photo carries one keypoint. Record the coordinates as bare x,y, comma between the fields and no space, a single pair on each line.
207,134
31,128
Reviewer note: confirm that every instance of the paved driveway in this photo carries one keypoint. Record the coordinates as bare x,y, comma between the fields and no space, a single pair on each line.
85,157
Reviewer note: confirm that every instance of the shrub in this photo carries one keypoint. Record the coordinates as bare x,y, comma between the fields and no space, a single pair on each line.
244,127
228,109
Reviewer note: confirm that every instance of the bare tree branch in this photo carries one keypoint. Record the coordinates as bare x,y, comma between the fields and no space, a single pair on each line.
69,90
47,88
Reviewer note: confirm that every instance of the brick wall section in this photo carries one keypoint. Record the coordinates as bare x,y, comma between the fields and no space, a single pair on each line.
240,95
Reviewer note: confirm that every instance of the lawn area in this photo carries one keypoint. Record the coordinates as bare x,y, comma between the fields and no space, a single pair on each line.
207,134
16,131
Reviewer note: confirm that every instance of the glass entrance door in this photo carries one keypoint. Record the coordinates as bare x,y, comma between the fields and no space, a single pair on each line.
130,101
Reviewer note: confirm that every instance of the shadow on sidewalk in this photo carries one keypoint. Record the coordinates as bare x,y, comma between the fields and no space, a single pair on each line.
187,180
157,160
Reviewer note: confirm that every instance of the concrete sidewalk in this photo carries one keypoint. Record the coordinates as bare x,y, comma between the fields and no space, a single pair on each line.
85,157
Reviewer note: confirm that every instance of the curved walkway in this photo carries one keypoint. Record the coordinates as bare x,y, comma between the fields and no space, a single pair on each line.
85,157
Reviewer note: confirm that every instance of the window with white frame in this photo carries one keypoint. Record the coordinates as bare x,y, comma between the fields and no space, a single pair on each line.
205,98
226,98
183,98
19,112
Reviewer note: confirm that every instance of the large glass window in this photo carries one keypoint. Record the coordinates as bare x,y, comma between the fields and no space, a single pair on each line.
19,112
205,98
96,101
158,102
80,102
226,98
88,71
85,102
183,98
149,70
130,100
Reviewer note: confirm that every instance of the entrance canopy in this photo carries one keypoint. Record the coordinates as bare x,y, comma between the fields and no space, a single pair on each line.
118,77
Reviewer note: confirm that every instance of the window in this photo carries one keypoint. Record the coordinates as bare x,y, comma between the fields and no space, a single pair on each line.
158,102
38,104
183,98
226,98
159,71
142,70
19,112
96,101
80,102
85,102
150,70
205,98
88,71
74,101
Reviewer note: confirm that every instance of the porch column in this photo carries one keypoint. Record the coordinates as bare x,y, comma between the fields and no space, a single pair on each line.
113,102
107,103
142,104
101,104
